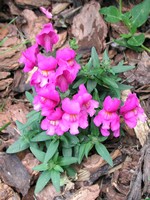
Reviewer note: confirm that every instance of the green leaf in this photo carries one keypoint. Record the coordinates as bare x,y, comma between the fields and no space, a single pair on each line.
41,167
96,95
91,84
40,137
112,14
40,155
20,126
140,13
29,96
55,176
122,68
64,161
102,151
79,82
106,59
42,181
124,86
71,172
66,152
136,40
95,58
81,152
52,149
88,148
18,146
58,168
109,81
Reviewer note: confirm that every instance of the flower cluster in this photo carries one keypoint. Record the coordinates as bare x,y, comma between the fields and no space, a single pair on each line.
109,117
53,76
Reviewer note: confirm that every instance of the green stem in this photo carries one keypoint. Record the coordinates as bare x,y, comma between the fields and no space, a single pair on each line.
120,6
4,126
145,48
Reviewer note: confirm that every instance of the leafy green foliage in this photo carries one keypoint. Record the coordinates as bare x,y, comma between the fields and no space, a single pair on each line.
133,19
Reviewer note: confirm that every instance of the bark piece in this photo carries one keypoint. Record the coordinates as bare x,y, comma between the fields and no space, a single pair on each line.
48,193
59,7
32,3
7,193
88,193
4,75
34,24
89,27
5,83
13,173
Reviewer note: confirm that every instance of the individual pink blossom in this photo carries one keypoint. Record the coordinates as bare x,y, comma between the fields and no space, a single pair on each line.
45,72
29,58
86,102
47,37
66,57
71,114
132,111
46,12
47,97
108,118
53,123
63,78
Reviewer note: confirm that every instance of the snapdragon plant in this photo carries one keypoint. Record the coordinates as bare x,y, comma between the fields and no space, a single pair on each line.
75,108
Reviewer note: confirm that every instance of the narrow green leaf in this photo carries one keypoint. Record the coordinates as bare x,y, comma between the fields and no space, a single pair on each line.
122,68
53,147
110,82
79,82
124,86
111,13
95,58
41,167
58,168
55,176
88,148
66,152
18,146
40,137
71,172
42,181
136,40
29,96
64,161
81,152
102,151
40,155
91,85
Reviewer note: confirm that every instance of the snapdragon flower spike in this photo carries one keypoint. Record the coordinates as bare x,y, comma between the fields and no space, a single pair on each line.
71,114
108,118
86,102
132,111
52,123
45,72
29,58
46,12
47,37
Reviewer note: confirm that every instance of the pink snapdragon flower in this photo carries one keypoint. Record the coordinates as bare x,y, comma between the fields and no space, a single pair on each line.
47,37
53,123
46,12
132,111
86,102
29,58
45,72
67,68
47,98
108,118
71,114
